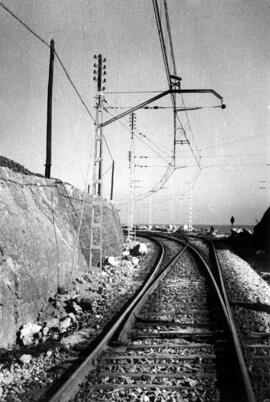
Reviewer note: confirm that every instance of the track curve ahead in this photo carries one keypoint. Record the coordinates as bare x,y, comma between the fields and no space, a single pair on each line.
175,342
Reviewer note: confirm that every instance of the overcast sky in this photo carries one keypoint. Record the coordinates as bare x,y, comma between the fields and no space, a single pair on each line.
218,44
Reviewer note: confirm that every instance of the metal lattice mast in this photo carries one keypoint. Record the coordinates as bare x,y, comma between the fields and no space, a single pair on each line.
131,159
96,227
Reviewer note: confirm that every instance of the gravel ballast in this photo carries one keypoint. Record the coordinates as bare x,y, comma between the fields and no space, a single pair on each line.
249,297
245,286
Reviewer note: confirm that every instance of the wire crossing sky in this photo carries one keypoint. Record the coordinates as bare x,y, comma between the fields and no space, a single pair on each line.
223,45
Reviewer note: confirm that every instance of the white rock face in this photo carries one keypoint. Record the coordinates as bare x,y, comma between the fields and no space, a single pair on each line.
38,235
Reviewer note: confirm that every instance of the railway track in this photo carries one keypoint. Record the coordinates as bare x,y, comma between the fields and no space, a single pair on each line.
175,342
255,345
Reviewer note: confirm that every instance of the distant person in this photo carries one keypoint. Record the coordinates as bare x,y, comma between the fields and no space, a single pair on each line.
212,230
232,220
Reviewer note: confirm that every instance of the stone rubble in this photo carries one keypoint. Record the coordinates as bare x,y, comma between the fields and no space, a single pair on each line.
74,317
28,332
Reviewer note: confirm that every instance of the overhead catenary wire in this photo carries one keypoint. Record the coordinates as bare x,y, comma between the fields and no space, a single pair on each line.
143,135
168,73
234,141
164,178
139,137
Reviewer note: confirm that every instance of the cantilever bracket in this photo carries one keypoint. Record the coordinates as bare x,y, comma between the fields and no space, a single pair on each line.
161,95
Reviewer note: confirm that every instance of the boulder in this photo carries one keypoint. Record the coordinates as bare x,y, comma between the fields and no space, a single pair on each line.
143,249
135,261
113,261
28,332
25,359
53,323
74,308
125,253
64,325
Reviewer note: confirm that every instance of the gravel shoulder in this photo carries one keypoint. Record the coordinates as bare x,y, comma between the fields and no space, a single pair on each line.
245,286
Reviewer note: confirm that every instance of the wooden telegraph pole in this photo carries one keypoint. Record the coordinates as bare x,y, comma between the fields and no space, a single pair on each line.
49,115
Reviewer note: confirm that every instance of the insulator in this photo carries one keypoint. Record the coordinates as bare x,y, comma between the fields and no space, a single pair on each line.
95,71
104,67
94,78
103,88
104,73
95,65
104,59
95,56
104,80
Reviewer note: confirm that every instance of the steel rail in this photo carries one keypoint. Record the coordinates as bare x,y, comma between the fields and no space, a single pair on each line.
121,337
71,385
225,304
236,339
117,334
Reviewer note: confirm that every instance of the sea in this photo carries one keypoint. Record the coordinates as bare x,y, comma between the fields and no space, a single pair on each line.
223,229
219,229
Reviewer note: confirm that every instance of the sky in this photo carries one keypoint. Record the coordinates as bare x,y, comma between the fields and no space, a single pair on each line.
218,44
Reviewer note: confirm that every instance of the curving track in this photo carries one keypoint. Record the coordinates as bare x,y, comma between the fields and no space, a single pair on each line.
176,341
255,346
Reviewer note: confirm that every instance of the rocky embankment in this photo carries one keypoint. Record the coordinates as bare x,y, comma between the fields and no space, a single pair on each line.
72,320
44,243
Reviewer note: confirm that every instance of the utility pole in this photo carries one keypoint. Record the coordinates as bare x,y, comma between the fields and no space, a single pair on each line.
96,226
131,159
190,217
49,114
150,212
